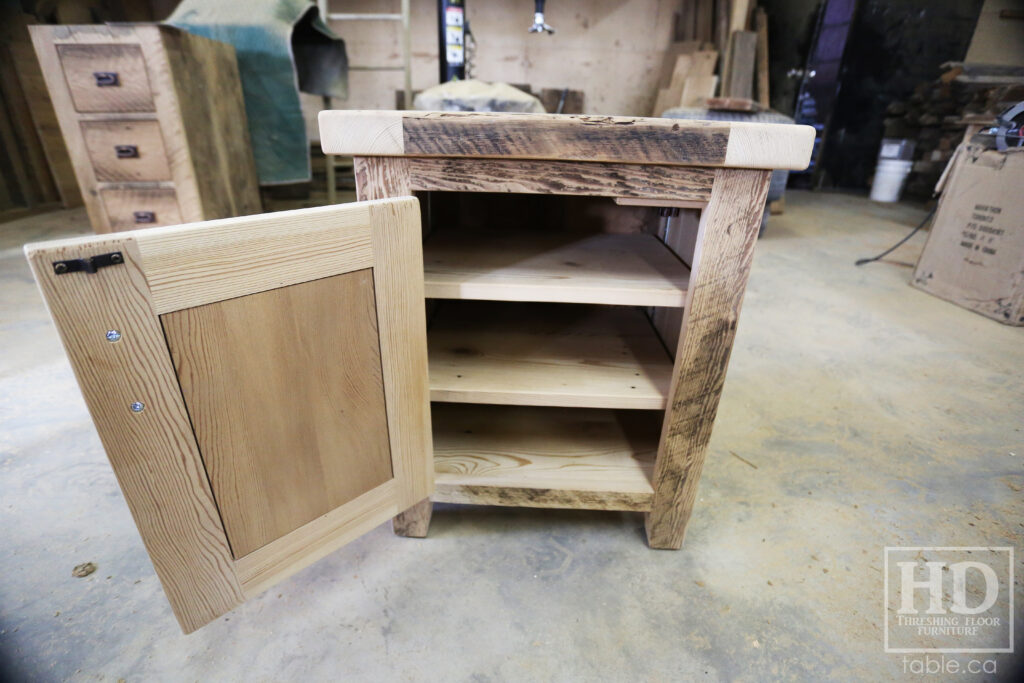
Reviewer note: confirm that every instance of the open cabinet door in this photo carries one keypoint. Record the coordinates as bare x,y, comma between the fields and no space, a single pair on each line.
259,385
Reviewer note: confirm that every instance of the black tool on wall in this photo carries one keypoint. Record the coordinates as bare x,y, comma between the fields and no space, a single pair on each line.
539,26
452,29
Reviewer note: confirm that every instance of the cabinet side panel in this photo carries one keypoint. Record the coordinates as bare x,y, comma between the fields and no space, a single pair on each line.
152,449
67,119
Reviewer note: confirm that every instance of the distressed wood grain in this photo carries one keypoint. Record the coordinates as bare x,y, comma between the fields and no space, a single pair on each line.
560,178
725,248
414,522
566,137
153,452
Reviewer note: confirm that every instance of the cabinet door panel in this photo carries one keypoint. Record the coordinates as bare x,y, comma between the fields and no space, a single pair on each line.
276,423
259,385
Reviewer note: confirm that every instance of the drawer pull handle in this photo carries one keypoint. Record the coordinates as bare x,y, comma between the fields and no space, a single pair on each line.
144,217
106,79
126,151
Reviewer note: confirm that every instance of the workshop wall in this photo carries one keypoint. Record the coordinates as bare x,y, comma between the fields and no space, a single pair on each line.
610,49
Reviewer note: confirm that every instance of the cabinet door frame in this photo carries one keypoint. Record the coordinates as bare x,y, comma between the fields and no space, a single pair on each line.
132,391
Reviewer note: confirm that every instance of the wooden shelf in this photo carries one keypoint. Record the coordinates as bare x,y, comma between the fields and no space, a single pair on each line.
544,457
633,269
547,355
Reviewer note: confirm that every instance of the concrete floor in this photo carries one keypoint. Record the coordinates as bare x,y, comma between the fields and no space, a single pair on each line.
858,413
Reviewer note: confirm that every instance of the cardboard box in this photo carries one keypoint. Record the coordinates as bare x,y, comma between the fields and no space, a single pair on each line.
974,256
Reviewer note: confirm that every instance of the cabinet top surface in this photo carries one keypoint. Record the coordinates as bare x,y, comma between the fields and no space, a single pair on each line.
574,137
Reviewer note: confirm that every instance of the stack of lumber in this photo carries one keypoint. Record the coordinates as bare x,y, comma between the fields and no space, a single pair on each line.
691,80
939,114
729,34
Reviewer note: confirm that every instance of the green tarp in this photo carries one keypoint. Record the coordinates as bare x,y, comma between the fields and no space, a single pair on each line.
282,47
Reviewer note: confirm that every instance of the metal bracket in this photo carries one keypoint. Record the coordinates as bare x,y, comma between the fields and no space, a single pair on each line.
88,265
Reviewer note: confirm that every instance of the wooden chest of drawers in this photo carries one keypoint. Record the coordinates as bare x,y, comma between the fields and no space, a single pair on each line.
155,123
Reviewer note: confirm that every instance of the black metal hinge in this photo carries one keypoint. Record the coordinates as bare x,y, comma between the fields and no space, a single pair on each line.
88,265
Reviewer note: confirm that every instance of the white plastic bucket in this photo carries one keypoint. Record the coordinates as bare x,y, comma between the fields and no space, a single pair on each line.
890,174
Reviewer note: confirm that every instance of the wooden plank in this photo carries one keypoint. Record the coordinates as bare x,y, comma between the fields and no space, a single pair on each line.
695,65
686,21
739,15
53,73
547,355
17,165
704,22
380,178
661,203
703,63
153,452
669,97
401,315
722,31
725,247
44,118
733,104
673,51
555,177
739,80
250,401
697,90
567,137
761,27
199,263
208,89
544,457
40,188
680,235
414,522
632,269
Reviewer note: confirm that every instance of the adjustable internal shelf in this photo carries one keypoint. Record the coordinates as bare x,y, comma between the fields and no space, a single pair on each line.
544,457
627,269
546,355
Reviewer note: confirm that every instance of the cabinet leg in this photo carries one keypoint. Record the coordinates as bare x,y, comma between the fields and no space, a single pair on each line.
725,246
415,521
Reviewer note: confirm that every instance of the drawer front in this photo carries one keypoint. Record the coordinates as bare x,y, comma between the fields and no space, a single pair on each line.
126,151
106,78
140,208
